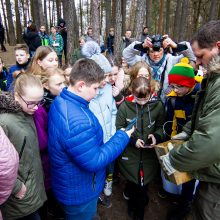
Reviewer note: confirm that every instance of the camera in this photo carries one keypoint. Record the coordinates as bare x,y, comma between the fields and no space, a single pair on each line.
157,42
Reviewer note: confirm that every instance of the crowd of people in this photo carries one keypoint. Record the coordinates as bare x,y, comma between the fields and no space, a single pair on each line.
66,134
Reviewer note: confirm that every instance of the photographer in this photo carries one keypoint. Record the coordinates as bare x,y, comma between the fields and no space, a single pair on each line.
156,54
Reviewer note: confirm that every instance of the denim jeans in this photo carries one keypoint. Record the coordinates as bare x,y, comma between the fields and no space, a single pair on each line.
83,212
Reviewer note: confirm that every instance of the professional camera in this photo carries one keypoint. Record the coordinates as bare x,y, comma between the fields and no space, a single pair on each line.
157,42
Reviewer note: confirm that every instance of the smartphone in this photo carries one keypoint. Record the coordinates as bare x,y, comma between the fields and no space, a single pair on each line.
148,143
131,124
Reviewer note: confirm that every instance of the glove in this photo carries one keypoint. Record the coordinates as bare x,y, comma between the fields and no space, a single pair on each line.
167,167
181,136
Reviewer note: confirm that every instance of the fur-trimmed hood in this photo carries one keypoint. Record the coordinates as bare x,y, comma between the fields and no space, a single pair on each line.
214,66
8,103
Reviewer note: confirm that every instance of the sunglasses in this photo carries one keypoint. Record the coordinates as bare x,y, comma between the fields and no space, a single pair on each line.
32,104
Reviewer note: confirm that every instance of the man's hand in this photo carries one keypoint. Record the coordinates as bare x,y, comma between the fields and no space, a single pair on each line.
21,193
181,136
166,165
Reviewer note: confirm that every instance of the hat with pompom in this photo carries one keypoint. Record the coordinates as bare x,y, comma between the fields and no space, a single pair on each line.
182,74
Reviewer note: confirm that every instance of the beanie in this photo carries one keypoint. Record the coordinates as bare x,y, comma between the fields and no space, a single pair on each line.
182,74
92,51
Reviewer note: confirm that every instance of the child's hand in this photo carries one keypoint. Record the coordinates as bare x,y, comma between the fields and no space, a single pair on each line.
21,193
153,139
129,132
139,143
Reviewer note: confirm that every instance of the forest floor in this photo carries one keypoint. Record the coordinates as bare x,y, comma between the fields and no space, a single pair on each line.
157,207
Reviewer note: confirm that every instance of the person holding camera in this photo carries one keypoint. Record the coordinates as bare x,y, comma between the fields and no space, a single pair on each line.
158,54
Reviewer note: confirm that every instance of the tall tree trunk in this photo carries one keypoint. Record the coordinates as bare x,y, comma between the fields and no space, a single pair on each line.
73,29
24,9
118,28
18,23
28,6
213,10
183,21
123,12
37,12
65,9
81,16
167,28
177,20
95,12
53,13
113,20
149,14
5,22
88,13
58,9
139,18
46,15
160,25
10,24
108,12
131,20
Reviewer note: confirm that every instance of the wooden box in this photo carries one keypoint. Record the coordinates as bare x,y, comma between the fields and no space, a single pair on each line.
177,177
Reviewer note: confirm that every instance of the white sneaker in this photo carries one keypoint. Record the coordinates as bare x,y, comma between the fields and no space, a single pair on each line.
108,188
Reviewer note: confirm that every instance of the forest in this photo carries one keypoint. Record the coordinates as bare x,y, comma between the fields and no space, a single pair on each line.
177,18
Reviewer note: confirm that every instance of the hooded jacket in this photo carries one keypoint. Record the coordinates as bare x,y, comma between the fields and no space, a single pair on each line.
150,121
77,154
8,166
200,155
20,129
104,108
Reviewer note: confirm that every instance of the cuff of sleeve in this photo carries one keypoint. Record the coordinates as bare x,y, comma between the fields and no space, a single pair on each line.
158,138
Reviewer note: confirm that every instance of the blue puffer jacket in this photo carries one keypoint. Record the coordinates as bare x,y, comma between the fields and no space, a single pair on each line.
76,150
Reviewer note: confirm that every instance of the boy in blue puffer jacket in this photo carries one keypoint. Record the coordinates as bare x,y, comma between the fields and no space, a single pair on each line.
77,154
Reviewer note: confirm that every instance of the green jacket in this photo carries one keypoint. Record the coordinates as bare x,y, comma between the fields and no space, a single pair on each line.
21,131
56,44
130,159
77,54
200,155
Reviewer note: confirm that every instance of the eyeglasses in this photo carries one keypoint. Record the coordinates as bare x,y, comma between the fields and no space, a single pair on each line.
177,87
32,104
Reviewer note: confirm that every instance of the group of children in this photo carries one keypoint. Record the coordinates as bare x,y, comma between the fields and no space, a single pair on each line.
86,130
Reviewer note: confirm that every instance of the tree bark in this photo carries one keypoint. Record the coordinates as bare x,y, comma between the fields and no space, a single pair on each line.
123,12
177,20
118,28
149,13
160,25
18,23
58,9
81,16
139,18
131,20
113,20
95,16
5,22
10,24
183,20
107,16
167,27
213,10
46,15
72,30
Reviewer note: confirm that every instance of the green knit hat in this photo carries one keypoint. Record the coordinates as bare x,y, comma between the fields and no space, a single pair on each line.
182,74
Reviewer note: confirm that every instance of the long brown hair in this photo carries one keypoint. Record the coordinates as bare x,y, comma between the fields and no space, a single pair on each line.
40,54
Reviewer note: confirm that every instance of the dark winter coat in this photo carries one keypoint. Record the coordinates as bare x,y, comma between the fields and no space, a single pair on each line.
3,79
110,42
200,155
21,131
33,40
77,154
150,121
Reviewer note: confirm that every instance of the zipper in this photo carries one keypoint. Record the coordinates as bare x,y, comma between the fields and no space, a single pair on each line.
93,181
22,148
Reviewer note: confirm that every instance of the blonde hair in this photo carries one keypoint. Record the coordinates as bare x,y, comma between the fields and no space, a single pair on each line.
40,54
51,71
24,80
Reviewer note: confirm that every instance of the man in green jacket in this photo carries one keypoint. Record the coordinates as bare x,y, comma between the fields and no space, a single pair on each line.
200,153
